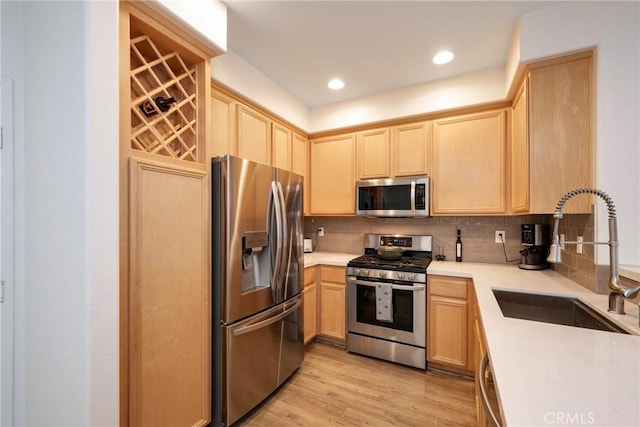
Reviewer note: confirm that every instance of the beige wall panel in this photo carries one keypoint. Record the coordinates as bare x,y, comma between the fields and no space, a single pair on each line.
170,330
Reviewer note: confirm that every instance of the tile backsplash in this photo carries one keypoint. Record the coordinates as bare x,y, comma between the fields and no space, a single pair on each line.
346,234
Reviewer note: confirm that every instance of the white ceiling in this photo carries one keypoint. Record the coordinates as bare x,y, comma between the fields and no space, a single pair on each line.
374,46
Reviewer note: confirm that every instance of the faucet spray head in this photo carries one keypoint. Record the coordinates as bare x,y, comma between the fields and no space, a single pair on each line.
555,250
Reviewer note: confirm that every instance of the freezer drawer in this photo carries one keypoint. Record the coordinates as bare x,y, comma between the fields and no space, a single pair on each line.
260,353
292,351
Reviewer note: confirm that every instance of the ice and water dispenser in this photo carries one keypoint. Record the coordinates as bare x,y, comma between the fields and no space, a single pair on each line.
256,260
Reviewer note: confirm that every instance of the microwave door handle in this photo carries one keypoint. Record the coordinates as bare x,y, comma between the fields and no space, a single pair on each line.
413,197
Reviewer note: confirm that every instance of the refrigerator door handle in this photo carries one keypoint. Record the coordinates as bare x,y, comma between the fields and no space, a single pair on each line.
277,208
283,241
264,323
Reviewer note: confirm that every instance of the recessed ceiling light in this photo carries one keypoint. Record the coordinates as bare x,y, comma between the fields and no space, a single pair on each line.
335,84
443,57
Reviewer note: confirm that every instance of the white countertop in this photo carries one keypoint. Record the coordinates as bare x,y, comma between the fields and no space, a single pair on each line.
548,374
328,258
630,271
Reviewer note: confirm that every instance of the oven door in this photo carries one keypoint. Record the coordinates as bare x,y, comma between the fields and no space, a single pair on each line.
409,303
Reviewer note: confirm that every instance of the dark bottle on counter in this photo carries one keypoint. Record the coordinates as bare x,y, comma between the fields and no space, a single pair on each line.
458,248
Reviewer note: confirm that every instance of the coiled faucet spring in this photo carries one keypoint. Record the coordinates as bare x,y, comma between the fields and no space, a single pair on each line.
611,207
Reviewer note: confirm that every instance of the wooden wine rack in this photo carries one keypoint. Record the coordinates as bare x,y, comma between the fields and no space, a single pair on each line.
157,71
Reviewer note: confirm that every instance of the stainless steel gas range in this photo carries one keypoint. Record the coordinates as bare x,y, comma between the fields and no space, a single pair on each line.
387,300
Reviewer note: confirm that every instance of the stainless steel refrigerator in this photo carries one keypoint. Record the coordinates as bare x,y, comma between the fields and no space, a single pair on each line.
257,269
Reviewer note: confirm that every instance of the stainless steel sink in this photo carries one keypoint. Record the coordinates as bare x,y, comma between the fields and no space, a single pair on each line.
553,309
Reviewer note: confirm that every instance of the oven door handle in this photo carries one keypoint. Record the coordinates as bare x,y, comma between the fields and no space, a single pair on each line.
415,288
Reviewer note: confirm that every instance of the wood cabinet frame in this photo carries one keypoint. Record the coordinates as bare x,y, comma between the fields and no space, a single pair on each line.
165,30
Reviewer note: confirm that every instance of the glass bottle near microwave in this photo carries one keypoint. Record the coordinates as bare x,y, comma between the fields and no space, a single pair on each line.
402,197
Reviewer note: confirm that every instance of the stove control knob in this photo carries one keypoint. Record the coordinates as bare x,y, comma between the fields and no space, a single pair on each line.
401,276
365,272
412,277
356,272
383,274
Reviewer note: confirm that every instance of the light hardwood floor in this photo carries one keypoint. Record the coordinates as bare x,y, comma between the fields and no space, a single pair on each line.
333,387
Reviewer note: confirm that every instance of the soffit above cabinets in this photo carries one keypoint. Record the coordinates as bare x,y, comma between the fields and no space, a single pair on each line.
372,46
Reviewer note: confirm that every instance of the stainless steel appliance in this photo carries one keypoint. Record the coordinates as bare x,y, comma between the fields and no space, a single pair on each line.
257,265
308,245
535,239
401,197
387,300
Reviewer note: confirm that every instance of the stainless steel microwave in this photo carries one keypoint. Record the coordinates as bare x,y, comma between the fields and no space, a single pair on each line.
401,197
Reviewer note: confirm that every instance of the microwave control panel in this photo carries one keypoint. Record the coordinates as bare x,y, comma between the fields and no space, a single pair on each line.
421,199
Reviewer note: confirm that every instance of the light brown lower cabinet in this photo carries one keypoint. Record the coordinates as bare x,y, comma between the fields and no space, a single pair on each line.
333,297
310,296
449,326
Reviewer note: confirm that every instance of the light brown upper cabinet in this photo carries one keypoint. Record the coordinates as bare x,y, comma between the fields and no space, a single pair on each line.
559,136
254,135
393,152
281,153
222,139
520,150
333,175
373,154
469,164
300,165
410,149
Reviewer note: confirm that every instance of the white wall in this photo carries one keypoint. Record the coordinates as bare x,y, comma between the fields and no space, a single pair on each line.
209,17
13,67
233,71
466,90
102,209
614,28
63,59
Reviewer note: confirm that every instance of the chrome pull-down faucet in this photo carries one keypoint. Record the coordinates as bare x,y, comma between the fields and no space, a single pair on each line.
618,290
